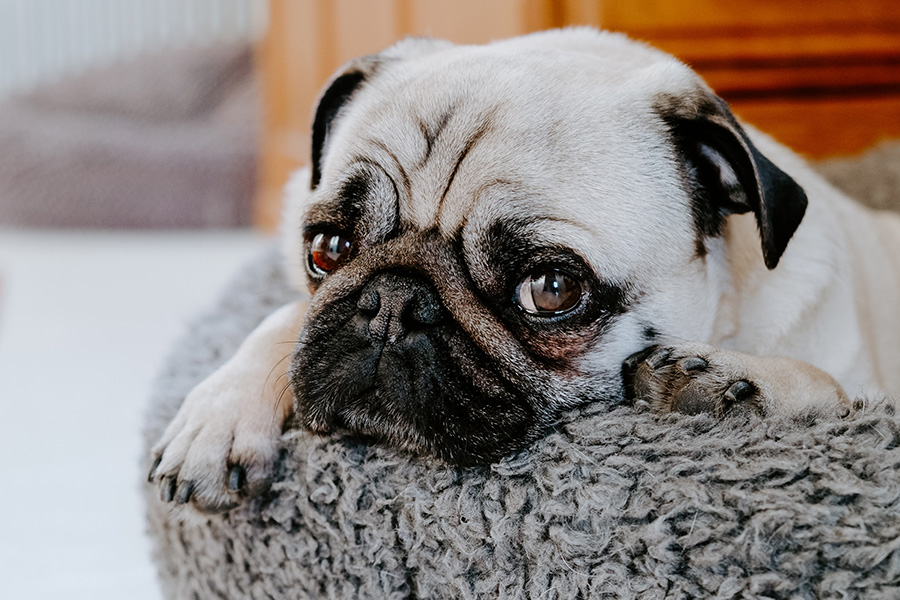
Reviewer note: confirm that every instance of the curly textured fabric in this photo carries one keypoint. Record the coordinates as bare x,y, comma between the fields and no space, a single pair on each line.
614,503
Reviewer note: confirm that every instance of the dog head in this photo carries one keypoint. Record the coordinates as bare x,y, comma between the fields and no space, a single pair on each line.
491,230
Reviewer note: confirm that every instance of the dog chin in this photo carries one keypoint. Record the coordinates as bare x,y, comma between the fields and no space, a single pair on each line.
366,419
461,433
460,426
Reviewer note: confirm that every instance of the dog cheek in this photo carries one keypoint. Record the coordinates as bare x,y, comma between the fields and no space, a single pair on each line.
560,350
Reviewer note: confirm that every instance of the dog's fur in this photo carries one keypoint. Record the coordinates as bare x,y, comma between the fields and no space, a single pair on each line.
711,279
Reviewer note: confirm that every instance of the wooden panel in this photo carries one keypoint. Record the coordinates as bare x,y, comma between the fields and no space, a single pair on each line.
802,81
454,20
793,64
360,28
578,12
679,16
780,44
825,127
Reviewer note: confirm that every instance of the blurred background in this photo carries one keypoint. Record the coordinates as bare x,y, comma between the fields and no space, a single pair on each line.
143,148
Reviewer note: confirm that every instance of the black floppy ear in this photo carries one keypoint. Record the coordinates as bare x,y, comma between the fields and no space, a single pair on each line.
728,175
336,93
348,80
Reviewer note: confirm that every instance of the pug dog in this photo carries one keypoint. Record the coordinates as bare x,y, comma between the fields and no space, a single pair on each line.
491,235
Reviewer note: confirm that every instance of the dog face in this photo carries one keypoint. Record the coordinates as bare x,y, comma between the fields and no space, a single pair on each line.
492,230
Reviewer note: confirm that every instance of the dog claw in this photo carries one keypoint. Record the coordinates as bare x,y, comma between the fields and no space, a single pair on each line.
237,476
151,475
658,358
739,391
630,364
692,365
184,492
167,489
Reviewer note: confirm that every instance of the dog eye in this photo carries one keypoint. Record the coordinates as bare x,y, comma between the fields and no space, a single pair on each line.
327,252
549,293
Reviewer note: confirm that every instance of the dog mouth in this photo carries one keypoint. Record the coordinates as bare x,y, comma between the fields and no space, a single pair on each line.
415,401
364,418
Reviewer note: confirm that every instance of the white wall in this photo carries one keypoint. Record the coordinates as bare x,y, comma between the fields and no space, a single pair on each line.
43,39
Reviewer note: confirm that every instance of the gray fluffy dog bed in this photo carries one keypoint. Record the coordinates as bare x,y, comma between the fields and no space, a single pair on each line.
615,503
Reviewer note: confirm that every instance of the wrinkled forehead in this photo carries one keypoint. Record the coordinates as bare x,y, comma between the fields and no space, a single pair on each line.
463,145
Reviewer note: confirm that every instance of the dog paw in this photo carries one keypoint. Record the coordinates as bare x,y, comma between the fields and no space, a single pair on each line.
696,378
217,451
691,379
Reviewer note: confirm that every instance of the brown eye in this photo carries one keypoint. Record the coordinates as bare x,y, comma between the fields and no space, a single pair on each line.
548,293
327,252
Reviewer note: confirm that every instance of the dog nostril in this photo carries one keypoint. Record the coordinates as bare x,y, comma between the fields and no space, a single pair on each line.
369,303
391,307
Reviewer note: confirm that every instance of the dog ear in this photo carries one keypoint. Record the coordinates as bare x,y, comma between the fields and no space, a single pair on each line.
728,175
336,93
349,79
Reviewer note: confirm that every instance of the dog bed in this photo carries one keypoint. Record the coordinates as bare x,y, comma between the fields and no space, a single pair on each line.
614,503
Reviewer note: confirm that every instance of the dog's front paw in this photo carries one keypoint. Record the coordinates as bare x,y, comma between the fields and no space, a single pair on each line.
220,448
691,379
696,378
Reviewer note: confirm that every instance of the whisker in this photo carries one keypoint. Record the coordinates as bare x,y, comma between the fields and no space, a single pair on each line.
277,410
275,366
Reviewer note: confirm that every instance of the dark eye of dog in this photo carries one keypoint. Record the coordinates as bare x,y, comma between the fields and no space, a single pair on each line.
327,252
548,293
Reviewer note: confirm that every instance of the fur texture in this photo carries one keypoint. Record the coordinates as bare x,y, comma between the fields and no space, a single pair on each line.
617,503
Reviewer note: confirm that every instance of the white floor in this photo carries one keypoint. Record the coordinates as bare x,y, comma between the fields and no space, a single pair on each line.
85,319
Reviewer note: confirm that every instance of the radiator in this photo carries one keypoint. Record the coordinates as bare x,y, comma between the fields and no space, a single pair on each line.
42,40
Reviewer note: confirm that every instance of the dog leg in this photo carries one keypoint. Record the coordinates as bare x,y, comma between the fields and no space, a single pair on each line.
222,444
693,378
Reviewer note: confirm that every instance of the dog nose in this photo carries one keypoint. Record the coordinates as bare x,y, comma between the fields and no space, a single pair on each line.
392,306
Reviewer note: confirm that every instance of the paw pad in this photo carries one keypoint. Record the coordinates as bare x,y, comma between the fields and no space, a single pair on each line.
688,379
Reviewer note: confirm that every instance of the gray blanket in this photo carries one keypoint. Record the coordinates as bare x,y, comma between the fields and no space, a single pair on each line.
614,503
